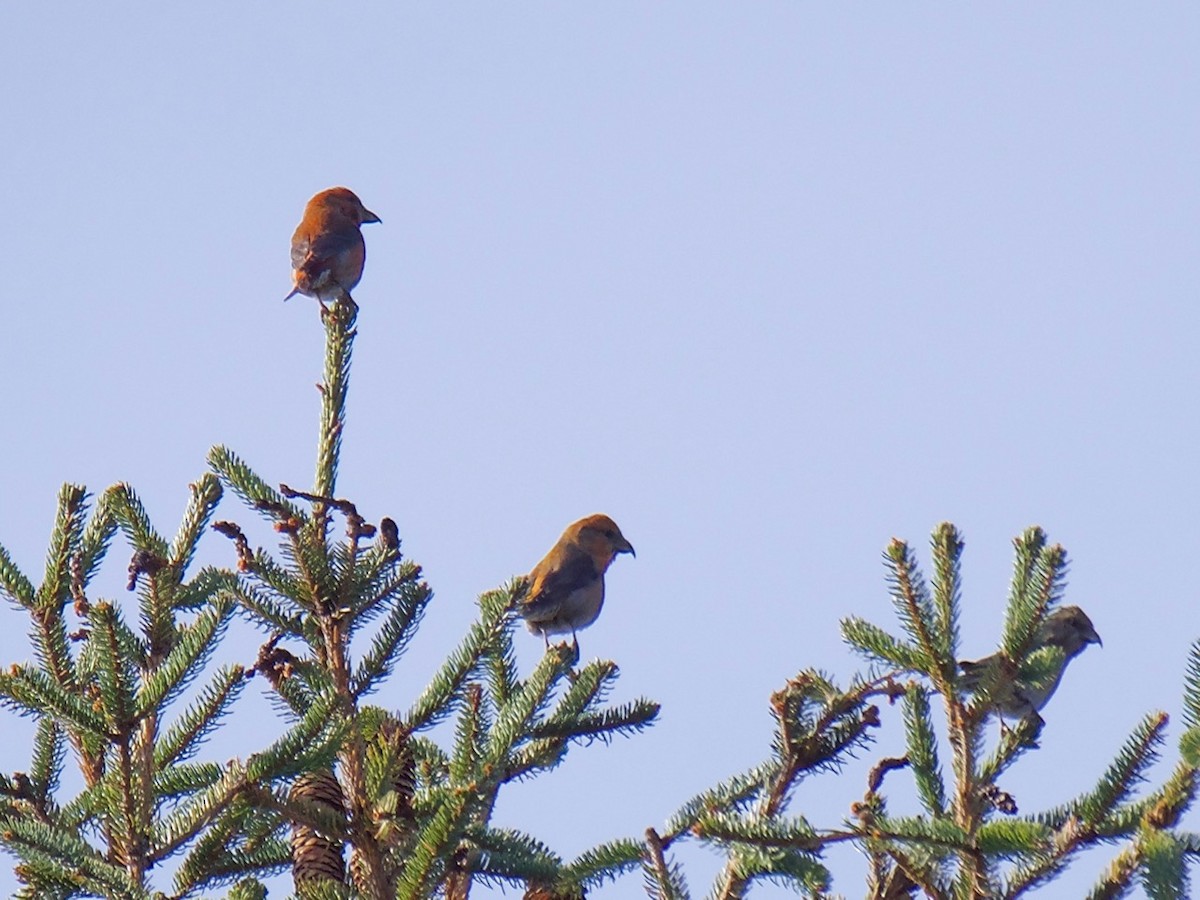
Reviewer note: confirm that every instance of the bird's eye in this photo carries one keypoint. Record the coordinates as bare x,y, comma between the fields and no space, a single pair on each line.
609,533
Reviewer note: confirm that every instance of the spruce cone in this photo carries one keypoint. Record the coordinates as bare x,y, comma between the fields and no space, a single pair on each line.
404,782
314,855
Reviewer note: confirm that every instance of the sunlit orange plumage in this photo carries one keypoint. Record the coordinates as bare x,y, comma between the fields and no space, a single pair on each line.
328,250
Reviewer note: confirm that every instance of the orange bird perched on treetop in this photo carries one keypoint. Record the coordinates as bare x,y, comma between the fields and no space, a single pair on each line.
328,250
565,591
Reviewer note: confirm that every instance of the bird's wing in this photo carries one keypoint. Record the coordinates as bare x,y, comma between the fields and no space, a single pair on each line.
326,245
333,242
550,586
975,671
300,247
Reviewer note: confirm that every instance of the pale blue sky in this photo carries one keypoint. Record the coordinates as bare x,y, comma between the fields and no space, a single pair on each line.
768,283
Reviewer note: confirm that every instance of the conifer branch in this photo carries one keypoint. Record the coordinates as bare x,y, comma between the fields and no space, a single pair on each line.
339,344
663,881
910,597
13,583
947,547
206,494
55,589
922,750
253,490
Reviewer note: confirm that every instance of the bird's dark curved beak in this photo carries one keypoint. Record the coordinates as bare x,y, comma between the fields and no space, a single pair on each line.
1094,638
369,217
628,548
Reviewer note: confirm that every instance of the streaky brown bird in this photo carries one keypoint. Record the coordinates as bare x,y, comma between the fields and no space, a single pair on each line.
1067,628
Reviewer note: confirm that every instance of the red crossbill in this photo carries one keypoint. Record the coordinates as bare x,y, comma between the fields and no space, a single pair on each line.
565,590
1067,628
328,250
